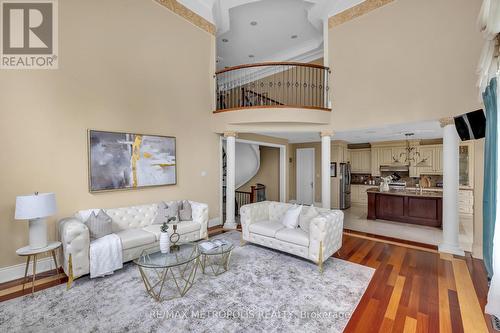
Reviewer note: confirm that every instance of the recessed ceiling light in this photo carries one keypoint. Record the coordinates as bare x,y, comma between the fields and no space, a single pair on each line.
225,40
254,23
251,56
294,36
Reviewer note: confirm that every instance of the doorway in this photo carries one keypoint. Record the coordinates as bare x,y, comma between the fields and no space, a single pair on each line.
305,176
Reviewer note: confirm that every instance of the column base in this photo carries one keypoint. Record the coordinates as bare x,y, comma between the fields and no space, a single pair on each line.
230,225
452,249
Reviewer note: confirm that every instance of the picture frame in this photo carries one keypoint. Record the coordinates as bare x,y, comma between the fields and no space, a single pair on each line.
125,161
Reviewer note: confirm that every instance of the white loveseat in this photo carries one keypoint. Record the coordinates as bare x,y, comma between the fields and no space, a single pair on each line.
134,225
261,224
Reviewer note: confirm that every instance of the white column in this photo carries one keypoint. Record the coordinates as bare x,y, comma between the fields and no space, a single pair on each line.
230,176
326,138
450,242
326,58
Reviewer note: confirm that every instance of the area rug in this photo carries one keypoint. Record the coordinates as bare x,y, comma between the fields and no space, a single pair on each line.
263,291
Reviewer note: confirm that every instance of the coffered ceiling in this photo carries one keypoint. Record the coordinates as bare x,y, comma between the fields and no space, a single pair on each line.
251,31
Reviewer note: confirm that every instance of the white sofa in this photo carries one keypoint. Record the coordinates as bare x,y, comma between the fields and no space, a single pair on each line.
134,225
261,224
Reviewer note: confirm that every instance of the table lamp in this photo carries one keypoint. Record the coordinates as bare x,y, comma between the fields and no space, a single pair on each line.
36,208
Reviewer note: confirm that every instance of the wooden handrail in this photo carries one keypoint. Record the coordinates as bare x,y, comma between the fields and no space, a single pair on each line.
251,195
264,64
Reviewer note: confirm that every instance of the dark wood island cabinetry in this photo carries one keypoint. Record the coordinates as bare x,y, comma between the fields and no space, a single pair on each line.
406,206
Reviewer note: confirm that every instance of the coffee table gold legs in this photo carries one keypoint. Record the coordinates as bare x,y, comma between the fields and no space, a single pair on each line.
176,274
217,263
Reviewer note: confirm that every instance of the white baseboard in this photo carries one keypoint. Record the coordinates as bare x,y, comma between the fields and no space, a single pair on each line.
214,222
10,273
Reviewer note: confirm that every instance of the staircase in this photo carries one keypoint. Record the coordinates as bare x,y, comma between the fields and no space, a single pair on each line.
247,160
246,98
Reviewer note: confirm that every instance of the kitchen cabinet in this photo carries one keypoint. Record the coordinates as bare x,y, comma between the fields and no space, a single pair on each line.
346,157
431,160
402,206
398,154
359,195
466,165
385,156
438,160
426,162
466,202
375,166
339,153
360,160
465,199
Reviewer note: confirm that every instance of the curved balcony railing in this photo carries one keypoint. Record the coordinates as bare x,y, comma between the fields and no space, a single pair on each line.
274,85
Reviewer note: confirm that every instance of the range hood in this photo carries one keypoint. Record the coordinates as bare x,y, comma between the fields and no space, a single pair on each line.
394,168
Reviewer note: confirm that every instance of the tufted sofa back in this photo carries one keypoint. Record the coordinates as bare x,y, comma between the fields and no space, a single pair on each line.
127,217
278,209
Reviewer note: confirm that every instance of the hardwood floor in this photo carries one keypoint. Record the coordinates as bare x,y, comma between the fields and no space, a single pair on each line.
414,288
44,280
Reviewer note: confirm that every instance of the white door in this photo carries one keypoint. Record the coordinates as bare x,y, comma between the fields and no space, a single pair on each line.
305,176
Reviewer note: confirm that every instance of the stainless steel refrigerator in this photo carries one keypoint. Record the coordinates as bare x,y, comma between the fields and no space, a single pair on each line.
345,185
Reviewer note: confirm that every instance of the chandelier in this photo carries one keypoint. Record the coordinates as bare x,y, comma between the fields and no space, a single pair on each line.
410,154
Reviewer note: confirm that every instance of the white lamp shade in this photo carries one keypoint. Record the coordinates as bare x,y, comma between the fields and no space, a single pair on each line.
35,206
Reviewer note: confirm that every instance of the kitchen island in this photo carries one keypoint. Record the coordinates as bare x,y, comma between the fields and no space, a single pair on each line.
409,206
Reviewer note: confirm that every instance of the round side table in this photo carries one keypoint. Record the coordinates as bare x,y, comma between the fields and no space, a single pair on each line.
28,252
217,259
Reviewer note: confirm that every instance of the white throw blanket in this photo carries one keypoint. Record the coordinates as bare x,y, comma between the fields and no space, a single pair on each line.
105,255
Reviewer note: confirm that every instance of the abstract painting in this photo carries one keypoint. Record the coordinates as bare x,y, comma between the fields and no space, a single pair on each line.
127,161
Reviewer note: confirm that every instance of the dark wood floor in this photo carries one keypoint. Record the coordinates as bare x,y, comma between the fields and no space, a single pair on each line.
15,288
414,288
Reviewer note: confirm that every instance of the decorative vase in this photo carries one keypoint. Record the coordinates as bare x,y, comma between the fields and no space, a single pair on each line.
164,242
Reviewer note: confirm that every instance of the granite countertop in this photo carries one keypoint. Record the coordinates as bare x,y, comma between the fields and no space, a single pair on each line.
408,193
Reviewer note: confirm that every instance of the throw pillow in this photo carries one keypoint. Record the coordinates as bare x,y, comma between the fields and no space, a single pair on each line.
161,213
99,225
173,210
306,216
291,217
186,213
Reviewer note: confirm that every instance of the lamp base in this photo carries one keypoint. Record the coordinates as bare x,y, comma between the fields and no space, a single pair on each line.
38,233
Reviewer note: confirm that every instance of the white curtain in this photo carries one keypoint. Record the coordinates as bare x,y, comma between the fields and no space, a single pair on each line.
489,67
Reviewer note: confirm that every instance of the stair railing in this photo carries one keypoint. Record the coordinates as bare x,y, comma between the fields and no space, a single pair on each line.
273,84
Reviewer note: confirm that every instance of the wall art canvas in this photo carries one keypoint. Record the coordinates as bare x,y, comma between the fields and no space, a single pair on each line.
128,161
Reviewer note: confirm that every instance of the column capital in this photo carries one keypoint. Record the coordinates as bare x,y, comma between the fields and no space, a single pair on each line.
233,134
326,133
446,121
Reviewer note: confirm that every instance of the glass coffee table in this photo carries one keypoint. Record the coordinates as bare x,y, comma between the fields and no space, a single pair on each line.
215,261
169,275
